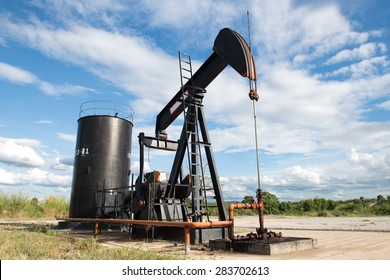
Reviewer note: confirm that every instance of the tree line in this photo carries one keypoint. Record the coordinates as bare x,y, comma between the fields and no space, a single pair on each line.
322,207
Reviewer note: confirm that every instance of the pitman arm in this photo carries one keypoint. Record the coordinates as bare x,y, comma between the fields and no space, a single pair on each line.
229,49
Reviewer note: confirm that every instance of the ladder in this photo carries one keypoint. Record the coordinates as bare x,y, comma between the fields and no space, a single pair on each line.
191,105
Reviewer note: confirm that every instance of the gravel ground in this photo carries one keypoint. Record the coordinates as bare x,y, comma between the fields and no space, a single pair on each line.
375,224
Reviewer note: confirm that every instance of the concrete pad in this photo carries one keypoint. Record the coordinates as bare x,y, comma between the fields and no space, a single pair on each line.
272,246
220,244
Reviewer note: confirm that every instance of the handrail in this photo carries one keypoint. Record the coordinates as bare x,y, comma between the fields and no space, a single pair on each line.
106,108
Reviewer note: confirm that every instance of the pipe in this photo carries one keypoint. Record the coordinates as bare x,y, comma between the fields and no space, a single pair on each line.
260,203
187,240
189,224
96,230
253,206
186,225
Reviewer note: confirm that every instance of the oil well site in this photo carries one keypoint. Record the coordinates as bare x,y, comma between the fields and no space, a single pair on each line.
173,205
182,210
171,210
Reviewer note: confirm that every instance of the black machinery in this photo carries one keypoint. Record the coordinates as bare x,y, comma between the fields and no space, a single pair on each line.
188,194
167,200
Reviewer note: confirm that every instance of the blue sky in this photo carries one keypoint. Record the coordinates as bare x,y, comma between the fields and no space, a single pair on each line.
324,83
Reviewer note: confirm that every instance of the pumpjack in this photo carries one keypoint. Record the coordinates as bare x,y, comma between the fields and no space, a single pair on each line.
188,194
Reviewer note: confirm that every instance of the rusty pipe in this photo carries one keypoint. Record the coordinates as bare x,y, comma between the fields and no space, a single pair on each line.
261,204
189,224
187,240
239,205
186,225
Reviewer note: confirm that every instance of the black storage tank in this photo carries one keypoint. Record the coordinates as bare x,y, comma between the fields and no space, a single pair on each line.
102,160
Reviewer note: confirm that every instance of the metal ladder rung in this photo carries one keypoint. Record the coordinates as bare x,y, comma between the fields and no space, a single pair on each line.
198,142
190,113
183,54
191,119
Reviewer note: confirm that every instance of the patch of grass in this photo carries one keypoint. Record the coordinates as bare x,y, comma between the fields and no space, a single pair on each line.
12,205
41,243
55,206
87,244
19,205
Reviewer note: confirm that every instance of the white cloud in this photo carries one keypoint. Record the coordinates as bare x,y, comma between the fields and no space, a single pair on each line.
166,13
365,51
361,135
304,32
236,188
23,141
66,137
49,122
106,12
38,176
307,176
56,90
63,164
385,105
295,176
34,176
16,75
64,190
377,162
365,68
6,178
66,161
144,71
16,152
